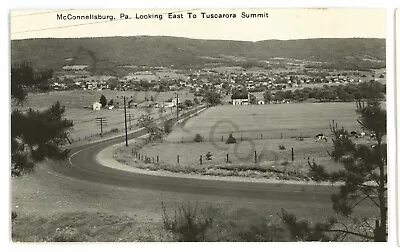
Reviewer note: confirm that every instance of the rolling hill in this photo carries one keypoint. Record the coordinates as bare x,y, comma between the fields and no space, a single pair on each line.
108,52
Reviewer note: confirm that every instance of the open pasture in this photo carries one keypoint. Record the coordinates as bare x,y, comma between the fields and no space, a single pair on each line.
252,121
257,130
85,98
85,120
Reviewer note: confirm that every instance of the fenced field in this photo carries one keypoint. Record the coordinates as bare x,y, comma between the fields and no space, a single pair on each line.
261,122
268,138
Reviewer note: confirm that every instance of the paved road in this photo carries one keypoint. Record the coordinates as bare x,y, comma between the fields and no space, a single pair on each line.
82,165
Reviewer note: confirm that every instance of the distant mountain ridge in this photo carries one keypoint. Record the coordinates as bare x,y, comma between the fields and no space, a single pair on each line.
185,52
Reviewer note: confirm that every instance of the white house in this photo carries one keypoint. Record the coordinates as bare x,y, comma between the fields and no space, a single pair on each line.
240,99
96,106
168,105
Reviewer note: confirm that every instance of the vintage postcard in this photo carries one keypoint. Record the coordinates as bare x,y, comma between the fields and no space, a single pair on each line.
210,125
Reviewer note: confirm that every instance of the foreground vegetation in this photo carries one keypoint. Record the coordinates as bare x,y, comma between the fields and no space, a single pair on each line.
187,222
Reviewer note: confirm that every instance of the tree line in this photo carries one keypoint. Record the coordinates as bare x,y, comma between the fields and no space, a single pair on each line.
326,93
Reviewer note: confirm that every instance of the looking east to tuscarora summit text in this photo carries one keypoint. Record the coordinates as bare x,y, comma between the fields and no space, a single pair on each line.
202,15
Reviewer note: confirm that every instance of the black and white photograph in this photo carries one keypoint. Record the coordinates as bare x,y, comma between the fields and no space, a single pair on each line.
198,125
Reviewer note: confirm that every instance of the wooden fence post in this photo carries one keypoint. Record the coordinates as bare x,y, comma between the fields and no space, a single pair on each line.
157,159
261,135
177,158
201,159
281,135
227,157
255,156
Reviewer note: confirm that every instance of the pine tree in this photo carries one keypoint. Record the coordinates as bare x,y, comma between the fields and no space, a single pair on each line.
103,100
35,135
364,177
23,76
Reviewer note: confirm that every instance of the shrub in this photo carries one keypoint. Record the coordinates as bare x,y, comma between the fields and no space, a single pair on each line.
282,147
231,139
198,138
114,130
168,126
187,225
285,162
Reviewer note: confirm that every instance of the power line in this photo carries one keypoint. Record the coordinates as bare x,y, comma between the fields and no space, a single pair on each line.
40,13
100,22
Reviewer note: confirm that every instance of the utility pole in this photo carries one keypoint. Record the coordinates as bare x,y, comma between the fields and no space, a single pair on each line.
126,130
101,121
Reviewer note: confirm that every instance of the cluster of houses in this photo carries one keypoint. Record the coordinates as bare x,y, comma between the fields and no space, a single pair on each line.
77,77
96,106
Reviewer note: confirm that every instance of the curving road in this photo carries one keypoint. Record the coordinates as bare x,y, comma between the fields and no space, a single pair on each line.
82,165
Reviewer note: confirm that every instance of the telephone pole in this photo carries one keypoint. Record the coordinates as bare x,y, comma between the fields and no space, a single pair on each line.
101,121
126,130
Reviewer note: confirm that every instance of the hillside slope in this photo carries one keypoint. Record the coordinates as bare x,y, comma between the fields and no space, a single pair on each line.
184,52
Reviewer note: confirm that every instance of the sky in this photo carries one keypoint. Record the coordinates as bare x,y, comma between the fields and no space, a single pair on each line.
281,24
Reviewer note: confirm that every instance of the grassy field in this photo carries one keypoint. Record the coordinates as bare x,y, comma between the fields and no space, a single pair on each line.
258,131
292,120
85,126
85,120
85,98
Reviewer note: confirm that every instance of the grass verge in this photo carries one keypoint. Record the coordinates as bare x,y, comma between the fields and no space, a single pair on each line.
272,170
